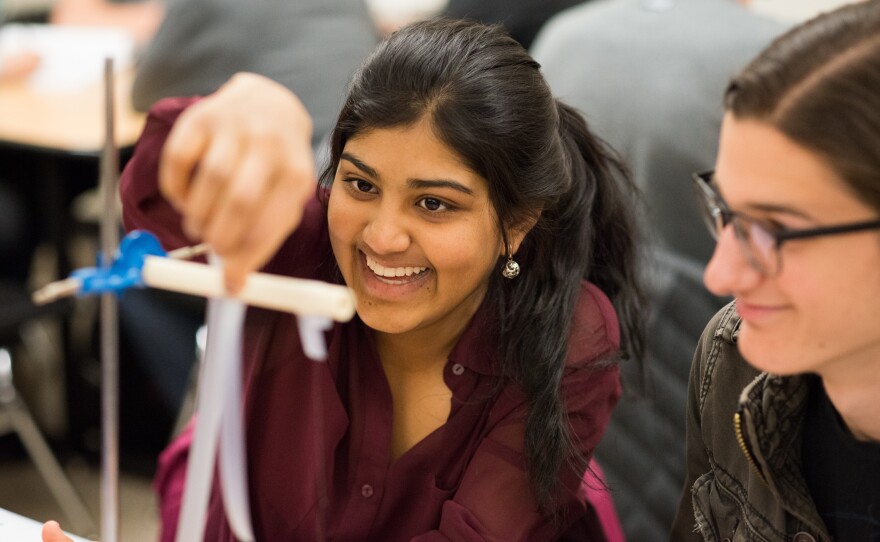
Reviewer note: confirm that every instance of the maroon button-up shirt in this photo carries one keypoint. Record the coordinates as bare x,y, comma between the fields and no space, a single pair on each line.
319,434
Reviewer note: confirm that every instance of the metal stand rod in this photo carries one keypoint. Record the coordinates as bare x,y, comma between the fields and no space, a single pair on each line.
109,326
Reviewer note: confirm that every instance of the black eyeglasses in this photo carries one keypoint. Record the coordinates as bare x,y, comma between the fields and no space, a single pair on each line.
759,239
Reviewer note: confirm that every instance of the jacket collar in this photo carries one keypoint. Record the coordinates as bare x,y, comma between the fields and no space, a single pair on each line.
772,411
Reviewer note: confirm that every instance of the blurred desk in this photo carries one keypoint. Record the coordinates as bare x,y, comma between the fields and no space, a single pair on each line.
71,122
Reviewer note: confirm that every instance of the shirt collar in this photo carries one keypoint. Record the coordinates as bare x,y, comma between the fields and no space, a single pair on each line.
477,348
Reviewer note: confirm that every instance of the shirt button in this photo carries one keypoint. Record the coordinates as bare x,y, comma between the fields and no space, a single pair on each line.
366,491
457,369
803,537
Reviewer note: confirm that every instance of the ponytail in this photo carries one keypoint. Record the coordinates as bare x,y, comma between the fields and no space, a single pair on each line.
614,240
589,233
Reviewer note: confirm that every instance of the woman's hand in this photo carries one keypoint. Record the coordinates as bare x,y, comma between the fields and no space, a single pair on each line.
239,167
52,533
17,66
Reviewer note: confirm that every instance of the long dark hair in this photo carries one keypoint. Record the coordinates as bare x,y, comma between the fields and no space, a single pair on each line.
487,100
819,84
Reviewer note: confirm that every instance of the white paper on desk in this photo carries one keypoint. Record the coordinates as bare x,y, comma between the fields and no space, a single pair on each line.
15,528
71,57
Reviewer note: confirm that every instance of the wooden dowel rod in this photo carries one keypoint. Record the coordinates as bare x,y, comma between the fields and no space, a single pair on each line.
299,296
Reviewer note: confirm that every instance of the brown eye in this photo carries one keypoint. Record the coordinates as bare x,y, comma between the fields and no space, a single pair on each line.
432,204
363,186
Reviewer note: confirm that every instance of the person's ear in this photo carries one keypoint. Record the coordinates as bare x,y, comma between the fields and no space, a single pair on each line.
517,232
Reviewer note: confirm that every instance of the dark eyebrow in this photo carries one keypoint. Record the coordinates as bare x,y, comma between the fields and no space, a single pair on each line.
413,183
440,183
358,163
769,208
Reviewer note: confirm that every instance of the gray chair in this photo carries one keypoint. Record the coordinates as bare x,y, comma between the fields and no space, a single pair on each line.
642,452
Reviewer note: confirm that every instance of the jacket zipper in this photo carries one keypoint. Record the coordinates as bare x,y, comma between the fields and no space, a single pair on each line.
744,442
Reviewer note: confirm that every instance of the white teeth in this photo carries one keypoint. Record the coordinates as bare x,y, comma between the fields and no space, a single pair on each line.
391,272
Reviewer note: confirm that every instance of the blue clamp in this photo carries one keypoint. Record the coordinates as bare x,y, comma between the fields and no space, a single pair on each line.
125,271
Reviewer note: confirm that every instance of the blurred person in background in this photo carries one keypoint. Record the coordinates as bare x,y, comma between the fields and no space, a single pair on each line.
522,18
191,47
647,75
389,15
312,47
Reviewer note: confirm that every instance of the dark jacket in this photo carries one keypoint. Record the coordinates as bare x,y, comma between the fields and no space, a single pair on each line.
745,480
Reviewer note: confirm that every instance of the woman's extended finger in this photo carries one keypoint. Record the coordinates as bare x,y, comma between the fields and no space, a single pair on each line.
182,153
210,182
278,218
242,201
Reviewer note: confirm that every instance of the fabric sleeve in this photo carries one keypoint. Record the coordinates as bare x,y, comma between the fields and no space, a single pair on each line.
696,460
495,500
143,207
170,480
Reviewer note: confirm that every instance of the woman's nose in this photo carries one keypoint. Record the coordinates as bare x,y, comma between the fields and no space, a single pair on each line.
387,232
729,271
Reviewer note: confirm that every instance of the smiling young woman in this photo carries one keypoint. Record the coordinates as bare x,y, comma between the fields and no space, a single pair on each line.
413,231
784,420
489,239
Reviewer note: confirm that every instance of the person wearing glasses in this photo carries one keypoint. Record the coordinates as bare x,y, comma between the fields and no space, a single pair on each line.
783,408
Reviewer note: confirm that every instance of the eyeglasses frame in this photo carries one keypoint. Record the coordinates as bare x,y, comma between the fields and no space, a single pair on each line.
712,201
